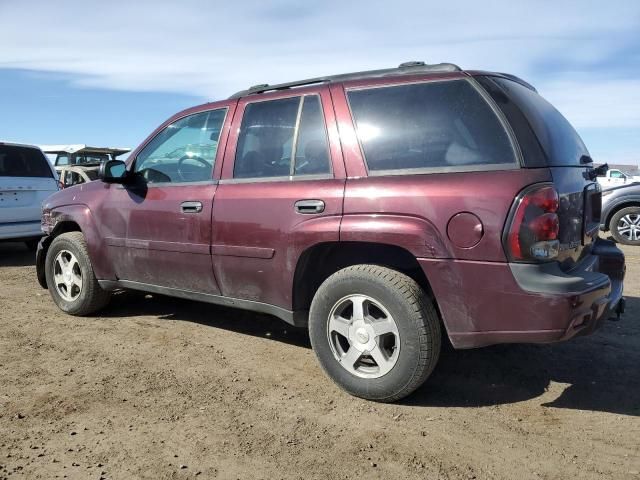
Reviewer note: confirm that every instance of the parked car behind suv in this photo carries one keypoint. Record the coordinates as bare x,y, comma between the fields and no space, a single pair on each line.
79,163
374,208
26,179
621,213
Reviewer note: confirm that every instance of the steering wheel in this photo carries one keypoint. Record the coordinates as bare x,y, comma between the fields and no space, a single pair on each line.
194,157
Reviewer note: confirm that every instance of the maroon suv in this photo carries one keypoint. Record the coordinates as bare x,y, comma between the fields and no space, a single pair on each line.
376,208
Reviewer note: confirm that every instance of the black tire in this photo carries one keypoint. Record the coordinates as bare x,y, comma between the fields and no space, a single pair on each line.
417,322
91,297
616,223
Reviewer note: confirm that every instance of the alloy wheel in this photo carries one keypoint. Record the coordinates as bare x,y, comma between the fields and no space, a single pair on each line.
363,336
629,226
67,275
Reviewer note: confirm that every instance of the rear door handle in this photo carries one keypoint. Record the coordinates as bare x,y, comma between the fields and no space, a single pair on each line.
191,207
309,207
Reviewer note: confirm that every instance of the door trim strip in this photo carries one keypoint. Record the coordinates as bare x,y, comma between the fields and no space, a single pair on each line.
197,248
243,251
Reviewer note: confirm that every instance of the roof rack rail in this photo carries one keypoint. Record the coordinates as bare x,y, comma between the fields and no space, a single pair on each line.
403,69
519,80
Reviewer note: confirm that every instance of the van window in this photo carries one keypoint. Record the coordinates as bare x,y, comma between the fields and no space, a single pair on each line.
431,125
281,138
16,161
62,159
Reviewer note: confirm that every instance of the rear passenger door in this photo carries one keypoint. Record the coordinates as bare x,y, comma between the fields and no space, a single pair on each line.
281,191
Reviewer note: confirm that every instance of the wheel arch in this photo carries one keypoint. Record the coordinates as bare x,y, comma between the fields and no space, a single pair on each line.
80,218
635,202
61,227
320,261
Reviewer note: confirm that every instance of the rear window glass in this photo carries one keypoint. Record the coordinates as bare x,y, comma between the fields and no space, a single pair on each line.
428,125
561,144
23,162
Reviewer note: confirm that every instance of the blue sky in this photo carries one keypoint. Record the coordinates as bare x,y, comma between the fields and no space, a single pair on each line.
108,73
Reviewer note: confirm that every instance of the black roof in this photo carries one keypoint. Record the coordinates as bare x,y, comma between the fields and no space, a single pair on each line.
403,69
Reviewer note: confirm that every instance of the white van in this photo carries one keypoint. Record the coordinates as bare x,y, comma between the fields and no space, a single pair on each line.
26,180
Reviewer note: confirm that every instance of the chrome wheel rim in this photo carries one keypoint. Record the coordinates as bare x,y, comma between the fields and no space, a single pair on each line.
67,275
363,336
629,226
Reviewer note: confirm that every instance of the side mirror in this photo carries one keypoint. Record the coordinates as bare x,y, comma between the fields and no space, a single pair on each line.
113,171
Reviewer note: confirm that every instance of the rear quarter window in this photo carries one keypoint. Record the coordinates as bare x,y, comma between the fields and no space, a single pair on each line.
545,136
431,125
18,161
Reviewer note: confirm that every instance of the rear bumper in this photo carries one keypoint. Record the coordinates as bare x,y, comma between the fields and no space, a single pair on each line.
485,303
20,230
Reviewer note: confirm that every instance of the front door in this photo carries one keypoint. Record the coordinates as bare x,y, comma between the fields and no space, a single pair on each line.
158,228
281,192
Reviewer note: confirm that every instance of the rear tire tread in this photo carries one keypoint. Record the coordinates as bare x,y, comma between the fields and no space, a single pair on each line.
424,317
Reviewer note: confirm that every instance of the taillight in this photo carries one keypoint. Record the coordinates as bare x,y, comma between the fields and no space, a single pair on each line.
532,233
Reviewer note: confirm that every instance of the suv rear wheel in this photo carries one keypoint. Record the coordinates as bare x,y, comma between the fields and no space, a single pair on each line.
375,332
70,278
625,226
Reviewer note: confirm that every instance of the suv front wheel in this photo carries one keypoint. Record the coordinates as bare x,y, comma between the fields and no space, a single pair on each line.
375,332
70,278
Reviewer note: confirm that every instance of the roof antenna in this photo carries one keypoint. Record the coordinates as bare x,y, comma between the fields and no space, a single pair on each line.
413,63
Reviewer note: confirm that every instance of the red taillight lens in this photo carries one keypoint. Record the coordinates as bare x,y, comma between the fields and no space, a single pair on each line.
546,198
545,227
534,227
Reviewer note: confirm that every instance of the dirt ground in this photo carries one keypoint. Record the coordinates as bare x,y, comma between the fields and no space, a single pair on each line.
160,388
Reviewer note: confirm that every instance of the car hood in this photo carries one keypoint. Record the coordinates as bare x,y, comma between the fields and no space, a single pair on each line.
627,187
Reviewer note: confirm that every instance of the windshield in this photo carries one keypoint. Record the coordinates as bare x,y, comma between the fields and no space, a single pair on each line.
560,143
16,161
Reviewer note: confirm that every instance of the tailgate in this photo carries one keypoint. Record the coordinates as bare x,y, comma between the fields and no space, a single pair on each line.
21,197
578,213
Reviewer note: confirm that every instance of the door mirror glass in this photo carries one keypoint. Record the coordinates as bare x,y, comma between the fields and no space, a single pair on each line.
113,171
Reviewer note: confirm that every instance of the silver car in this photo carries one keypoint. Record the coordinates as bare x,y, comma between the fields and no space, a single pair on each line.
26,180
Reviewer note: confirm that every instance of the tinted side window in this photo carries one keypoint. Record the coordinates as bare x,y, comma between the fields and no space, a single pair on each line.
283,137
23,162
184,151
266,139
312,150
428,125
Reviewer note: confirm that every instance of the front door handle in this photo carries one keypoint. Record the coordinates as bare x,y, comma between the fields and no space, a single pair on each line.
308,207
191,207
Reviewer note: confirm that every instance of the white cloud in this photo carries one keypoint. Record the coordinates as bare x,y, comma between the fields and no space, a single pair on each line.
212,49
